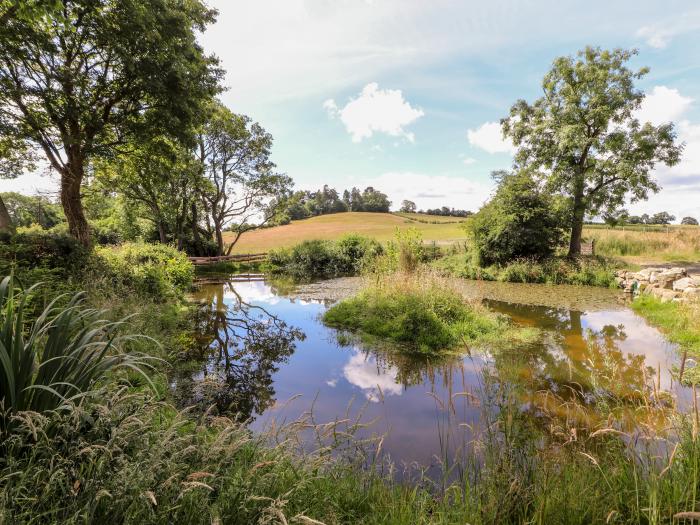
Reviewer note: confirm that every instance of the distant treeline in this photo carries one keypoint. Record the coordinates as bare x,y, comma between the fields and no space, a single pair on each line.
448,212
305,204
410,207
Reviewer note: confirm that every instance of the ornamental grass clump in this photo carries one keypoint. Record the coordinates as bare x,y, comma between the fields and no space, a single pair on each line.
421,312
59,357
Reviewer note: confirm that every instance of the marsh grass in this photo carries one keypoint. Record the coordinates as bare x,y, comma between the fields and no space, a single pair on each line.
676,243
420,311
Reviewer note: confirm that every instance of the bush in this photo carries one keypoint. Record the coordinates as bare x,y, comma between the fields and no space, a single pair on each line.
322,259
155,270
520,221
59,357
589,271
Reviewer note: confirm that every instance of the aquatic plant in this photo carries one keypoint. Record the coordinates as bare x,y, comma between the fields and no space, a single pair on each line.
420,311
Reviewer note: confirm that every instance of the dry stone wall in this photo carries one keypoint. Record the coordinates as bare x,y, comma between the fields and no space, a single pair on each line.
668,284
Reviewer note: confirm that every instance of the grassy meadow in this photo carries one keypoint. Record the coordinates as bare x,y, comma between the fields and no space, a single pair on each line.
668,244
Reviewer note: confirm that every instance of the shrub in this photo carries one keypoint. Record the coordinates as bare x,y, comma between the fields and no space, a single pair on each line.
322,259
155,270
59,358
520,221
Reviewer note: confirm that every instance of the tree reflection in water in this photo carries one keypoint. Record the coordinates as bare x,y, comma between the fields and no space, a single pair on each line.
579,376
243,345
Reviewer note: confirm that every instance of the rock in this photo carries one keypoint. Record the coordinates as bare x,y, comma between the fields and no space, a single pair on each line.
649,289
696,280
682,284
621,273
691,292
656,291
668,295
620,281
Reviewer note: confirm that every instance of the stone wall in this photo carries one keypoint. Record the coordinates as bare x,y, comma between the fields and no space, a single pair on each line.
668,284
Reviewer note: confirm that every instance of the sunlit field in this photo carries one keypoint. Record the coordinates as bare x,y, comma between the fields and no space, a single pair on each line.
380,226
632,243
664,244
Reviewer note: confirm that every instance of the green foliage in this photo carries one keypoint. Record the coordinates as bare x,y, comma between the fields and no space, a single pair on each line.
134,69
584,134
61,355
588,271
692,221
26,210
680,322
322,259
419,312
153,270
520,221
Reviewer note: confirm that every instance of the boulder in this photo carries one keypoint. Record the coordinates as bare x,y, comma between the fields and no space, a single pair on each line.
683,283
691,292
669,295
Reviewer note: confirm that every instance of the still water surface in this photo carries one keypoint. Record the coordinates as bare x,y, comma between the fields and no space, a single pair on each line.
267,356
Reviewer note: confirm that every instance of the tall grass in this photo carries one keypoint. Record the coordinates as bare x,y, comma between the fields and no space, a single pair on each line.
60,356
421,311
586,271
675,243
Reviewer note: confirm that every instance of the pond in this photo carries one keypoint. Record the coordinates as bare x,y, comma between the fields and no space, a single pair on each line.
266,355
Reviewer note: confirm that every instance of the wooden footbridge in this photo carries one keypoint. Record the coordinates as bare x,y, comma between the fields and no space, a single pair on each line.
239,257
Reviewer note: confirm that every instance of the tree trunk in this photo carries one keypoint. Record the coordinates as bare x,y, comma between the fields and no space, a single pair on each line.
578,213
71,181
195,229
161,231
219,239
5,219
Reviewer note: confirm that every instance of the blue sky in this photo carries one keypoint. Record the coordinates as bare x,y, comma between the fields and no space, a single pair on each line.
400,93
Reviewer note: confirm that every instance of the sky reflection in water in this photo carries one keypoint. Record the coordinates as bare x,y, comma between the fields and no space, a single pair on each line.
419,404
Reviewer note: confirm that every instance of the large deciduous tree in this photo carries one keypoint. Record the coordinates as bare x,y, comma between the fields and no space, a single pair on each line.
163,177
235,158
88,76
584,135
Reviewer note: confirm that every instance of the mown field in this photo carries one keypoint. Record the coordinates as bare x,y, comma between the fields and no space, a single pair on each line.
637,244
380,226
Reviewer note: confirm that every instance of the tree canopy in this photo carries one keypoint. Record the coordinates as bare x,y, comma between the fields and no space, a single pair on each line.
82,82
584,137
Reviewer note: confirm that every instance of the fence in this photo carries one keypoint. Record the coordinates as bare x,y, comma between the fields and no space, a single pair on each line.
242,257
588,248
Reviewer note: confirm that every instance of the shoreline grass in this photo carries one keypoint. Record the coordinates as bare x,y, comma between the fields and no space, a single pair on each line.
587,271
421,313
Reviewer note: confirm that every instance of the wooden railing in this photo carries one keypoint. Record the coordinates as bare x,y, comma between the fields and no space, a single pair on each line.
239,257
588,248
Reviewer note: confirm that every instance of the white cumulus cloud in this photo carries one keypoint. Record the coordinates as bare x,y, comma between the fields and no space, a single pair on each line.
365,373
488,137
375,110
662,105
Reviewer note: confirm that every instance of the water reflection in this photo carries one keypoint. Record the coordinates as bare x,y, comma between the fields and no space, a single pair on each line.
242,344
588,366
